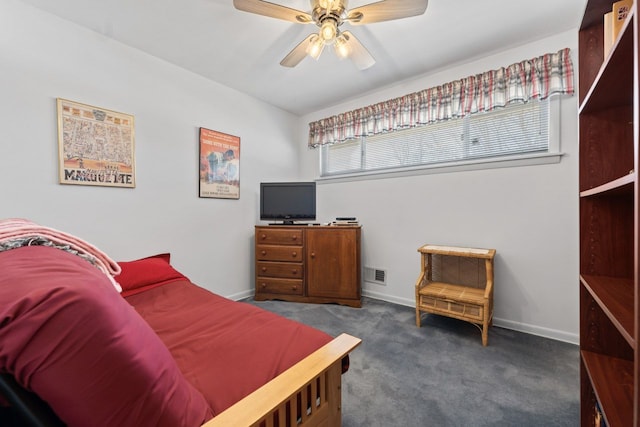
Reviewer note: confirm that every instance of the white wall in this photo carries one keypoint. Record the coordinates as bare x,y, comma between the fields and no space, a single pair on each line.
211,240
528,214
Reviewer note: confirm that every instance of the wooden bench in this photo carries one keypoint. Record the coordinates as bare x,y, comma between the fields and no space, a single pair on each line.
456,282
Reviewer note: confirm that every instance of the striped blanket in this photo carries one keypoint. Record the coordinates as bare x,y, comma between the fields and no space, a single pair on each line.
18,232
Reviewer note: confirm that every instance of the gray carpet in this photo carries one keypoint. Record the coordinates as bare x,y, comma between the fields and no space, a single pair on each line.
440,375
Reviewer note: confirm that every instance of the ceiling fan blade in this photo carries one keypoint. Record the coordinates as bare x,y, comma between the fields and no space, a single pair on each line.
298,53
273,10
357,52
386,10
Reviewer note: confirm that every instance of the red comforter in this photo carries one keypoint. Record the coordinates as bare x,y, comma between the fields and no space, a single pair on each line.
226,349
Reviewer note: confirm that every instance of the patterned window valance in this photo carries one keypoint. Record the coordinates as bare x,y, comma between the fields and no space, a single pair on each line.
537,78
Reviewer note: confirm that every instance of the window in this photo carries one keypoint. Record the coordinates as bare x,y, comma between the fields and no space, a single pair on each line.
515,130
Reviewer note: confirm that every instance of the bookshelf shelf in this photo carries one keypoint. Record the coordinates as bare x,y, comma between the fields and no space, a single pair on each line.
613,380
620,186
615,296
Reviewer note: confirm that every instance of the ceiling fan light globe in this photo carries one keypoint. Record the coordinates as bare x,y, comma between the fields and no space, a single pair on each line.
329,31
341,48
315,48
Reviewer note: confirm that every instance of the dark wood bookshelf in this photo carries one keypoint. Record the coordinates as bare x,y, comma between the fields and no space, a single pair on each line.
608,91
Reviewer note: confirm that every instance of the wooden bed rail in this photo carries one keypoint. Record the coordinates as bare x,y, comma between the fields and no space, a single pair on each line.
306,394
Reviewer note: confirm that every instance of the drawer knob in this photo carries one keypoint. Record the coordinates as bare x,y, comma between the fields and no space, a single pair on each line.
294,237
294,254
294,271
263,252
264,285
294,287
264,269
313,254
263,236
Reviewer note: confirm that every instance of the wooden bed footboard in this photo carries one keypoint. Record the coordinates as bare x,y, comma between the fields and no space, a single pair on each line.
308,393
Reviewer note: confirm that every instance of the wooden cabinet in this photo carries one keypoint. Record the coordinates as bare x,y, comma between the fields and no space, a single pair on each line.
332,269
317,264
609,293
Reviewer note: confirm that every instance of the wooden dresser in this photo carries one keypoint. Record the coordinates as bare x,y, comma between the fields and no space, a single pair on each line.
317,264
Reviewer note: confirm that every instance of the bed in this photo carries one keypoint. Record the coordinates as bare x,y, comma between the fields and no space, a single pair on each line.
162,352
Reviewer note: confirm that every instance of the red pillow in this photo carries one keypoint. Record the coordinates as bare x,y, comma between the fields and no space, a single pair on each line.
68,337
146,273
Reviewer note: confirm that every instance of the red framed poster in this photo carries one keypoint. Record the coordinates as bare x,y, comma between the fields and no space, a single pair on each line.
219,165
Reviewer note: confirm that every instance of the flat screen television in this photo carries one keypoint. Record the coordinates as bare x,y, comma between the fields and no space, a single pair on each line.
288,201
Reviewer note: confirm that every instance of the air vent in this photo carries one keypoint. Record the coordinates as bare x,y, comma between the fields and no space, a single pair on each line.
375,275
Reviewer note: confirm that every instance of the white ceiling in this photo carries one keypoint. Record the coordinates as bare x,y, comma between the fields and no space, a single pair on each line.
243,50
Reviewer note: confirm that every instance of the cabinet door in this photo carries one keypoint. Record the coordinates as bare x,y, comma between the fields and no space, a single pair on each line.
333,263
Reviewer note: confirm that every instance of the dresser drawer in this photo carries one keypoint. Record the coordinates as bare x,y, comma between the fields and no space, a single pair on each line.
270,285
279,236
279,269
279,253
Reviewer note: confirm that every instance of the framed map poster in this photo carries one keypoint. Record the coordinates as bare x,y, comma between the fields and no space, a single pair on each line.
219,165
95,146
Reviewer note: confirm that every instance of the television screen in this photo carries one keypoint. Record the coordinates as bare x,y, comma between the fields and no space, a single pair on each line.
288,201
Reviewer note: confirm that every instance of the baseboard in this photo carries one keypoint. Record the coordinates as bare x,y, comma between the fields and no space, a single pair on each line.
241,295
389,298
553,334
540,331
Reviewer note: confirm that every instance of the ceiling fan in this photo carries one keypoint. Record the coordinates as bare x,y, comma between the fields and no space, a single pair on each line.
328,16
